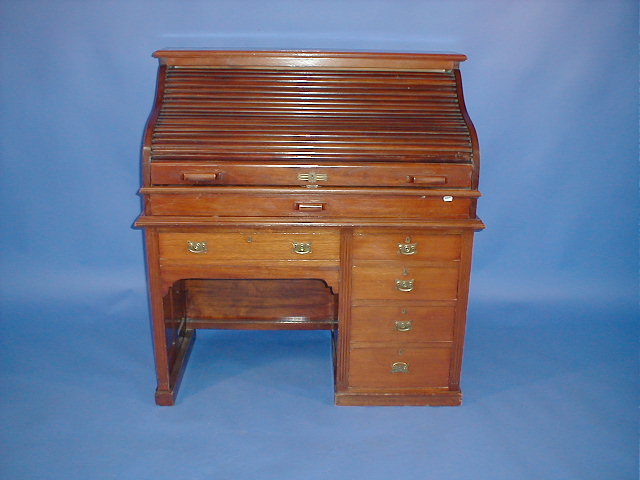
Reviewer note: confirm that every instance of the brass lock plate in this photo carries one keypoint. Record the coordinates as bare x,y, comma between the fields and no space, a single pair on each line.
313,177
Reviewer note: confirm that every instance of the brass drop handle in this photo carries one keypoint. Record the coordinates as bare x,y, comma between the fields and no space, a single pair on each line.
405,285
197,247
302,248
399,367
404,325
408,248
200,177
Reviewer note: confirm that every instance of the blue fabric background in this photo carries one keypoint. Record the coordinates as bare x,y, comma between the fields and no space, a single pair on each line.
550,373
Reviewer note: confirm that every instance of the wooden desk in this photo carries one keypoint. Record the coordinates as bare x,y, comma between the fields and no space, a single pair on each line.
314,190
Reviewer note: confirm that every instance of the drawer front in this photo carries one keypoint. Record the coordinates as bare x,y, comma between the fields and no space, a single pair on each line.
404,282
408,324
229,246
308,205
388,367
364,174
406,246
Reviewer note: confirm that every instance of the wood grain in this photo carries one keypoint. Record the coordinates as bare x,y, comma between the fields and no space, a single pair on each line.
376,280
375,325
370,245
286,174
371,367
249,245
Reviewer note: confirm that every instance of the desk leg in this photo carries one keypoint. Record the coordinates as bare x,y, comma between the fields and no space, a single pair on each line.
172,341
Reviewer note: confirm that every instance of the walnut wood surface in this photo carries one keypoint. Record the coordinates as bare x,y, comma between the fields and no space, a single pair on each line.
249,245
287,174
377,324
333,204
377,280
370,160
372,245
371,367
260,304
321,114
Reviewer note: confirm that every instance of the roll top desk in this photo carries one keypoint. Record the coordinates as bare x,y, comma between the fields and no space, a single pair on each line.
314,190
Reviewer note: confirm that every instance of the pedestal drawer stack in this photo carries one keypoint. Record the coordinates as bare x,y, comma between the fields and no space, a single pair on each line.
403,314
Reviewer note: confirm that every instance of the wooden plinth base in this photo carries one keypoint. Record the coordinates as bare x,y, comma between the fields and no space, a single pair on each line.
439,399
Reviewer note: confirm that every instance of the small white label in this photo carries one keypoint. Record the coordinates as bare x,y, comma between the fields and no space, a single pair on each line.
447,198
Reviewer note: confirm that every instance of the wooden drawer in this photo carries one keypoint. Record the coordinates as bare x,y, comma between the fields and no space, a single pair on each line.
388,367
376,282
355,174
202,248
340,203
392,324
405,245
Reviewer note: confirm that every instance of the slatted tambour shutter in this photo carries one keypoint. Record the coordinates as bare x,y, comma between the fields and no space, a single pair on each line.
297,115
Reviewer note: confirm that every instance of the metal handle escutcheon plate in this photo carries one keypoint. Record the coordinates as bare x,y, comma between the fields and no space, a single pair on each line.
197,247
404,325
400,367
405,285
302,248
407,248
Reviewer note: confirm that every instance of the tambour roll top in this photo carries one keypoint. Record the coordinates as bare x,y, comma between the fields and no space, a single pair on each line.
306,109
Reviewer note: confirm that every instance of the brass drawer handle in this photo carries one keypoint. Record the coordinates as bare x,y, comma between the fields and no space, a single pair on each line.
405,285
404,325
200,177
400,367
428,180
197,247
408,248
302,248
310,207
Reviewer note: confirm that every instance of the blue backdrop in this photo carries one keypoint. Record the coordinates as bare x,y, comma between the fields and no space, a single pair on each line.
550,372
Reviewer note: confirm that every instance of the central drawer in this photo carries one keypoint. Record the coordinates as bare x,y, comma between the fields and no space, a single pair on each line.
201,248
306,202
